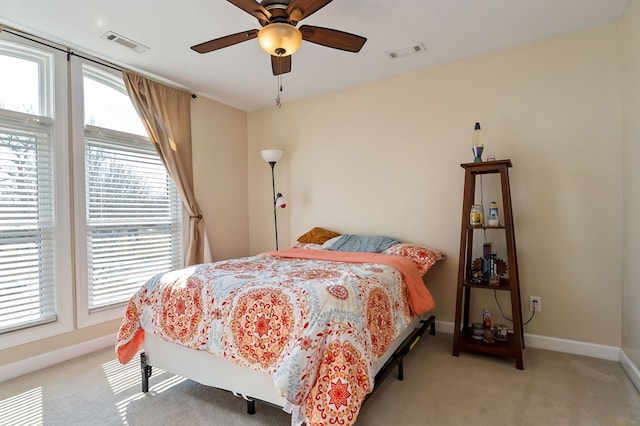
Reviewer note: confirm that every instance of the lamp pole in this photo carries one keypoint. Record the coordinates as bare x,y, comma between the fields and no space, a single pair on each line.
273,187
272,156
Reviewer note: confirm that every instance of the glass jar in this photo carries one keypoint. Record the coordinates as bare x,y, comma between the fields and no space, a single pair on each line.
477,215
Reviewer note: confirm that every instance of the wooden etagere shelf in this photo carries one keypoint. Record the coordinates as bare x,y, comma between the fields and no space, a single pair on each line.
463,340
503,285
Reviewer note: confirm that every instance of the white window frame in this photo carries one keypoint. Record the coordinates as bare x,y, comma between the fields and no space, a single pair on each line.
57,109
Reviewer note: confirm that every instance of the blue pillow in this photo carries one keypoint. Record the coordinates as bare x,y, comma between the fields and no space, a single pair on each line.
359,243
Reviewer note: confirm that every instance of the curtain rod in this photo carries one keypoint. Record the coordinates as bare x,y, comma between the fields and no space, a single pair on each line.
67,50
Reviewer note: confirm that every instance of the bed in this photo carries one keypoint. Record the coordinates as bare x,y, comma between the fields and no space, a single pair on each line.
307,329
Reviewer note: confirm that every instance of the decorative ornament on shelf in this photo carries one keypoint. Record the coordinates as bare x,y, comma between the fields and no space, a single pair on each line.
477,147
497,268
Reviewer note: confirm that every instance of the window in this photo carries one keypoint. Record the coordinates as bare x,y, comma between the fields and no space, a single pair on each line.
25,84
27,255
34,201
107,104
132,211
128,214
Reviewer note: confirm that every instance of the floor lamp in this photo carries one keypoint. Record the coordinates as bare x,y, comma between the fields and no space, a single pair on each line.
272,156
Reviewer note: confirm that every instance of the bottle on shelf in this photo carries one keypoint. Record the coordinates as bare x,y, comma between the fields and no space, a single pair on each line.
493,219
488,329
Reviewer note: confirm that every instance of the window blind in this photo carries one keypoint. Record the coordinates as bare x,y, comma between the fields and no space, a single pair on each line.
27,223
134,228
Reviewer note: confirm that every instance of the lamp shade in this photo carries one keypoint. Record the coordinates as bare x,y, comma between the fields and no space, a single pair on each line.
271,155
280,201
279,39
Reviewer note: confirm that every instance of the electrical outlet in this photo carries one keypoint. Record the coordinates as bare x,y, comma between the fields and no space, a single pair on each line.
535,303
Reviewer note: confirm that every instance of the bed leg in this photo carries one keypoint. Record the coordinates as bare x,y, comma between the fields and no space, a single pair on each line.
432,329
146,371
401,369
251,406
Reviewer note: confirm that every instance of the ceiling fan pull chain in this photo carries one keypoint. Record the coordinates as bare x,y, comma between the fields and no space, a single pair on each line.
278,90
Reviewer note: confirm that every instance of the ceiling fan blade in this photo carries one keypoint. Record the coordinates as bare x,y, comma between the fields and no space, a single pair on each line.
252,7
280,64
300,9
332,38
226,41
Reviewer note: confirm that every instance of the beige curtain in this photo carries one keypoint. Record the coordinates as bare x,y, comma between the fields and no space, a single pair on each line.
166,114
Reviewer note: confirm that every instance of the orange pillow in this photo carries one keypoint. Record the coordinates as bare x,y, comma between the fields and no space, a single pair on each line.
317,235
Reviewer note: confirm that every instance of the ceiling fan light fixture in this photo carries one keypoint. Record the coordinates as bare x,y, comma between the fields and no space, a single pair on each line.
279,39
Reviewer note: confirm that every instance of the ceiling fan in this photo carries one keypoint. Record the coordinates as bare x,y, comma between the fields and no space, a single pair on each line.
279,36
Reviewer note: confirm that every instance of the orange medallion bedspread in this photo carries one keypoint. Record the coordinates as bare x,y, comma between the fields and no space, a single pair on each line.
314,320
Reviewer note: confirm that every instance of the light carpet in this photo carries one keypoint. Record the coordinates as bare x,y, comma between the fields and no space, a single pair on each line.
438,389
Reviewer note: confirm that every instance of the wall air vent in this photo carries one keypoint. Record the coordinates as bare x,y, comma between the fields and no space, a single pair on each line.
406,51
126,42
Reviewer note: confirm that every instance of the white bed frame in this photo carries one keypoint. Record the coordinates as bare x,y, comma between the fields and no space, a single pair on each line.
211,370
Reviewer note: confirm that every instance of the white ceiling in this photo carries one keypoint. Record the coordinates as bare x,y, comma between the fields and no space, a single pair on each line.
240,75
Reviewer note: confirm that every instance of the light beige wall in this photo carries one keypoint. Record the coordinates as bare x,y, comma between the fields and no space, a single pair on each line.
220,175
383,158
631,150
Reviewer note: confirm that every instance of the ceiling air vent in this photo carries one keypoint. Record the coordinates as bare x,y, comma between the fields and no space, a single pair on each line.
126,42
406,51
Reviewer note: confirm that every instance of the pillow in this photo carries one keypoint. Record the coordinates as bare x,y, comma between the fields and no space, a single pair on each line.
423,257
329,243
308,246
359,243
317,235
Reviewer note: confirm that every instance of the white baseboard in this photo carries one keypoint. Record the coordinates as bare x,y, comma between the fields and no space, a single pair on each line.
444,327
593,350
631,369
38,362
